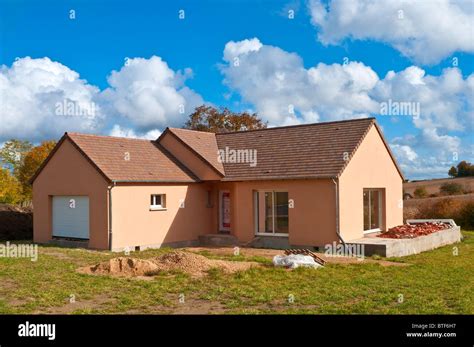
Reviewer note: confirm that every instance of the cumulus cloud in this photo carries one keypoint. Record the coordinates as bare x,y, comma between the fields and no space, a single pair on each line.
41,99
284,92
150,94
119,131
425,31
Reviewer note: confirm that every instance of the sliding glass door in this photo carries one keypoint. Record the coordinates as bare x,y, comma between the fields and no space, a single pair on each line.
271,212
372,210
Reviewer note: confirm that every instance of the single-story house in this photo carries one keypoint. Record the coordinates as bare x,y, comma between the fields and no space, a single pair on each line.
303,185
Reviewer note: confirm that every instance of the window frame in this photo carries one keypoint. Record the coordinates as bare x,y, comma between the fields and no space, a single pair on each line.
158,207
380,209
256,197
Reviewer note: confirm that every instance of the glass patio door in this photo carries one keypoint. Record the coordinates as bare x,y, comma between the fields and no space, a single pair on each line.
271,212
372,210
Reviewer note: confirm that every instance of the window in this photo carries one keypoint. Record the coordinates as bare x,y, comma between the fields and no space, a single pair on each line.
158,202
271,212
372,210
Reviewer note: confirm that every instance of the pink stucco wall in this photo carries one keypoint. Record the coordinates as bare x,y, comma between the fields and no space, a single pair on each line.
69,173
370,167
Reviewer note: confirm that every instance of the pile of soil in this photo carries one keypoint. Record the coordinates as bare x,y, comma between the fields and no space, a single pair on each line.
16,223
195,265
410,231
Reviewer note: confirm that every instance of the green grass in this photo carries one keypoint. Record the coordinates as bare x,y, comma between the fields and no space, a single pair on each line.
435,282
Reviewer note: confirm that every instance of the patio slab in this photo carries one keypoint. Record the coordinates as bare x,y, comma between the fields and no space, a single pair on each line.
403,247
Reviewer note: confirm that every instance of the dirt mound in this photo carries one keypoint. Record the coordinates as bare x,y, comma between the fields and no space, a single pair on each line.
195,265
125,266
16,223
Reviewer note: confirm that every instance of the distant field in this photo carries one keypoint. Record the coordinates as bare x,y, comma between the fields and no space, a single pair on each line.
418,202
432,186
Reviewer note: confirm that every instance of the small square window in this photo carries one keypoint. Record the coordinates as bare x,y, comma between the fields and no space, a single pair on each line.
157,201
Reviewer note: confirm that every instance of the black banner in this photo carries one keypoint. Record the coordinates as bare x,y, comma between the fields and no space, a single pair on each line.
137,330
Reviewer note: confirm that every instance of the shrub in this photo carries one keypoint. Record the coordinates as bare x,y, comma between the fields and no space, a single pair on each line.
420,192
466,216
451,189
461,211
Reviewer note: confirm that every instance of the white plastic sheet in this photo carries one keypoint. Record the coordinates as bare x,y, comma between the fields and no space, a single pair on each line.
295,260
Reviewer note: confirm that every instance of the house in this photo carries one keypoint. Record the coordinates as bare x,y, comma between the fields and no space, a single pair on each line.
303,185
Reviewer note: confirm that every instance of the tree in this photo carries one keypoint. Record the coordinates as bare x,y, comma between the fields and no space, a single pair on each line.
453,172
465,169
10,189
211,119
13,153
31,163
420,192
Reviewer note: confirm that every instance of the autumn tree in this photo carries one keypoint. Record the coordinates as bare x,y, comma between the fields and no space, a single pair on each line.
463,169
31,163
453,172
13,153
211,119
10,189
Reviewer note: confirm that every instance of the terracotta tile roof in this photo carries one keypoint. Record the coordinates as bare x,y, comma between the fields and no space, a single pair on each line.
320,150
202,143
302,151
148,160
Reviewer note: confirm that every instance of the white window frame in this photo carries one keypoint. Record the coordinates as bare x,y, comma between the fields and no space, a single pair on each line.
158,207
379,191
255,192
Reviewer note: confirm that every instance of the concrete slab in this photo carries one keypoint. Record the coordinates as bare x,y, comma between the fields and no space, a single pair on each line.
403,247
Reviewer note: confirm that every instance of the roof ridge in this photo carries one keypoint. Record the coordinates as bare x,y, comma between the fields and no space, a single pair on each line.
193,131
108,136
299,125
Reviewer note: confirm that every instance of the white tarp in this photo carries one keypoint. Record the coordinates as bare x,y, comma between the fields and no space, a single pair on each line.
295,260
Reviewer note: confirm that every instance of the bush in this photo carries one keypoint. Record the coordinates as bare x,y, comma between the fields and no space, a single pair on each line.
466,216
420,192
461,211
451,189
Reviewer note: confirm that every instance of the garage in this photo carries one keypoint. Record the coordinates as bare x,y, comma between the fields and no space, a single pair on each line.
71,217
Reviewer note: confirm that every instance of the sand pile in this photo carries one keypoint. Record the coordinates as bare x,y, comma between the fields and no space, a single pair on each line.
193,264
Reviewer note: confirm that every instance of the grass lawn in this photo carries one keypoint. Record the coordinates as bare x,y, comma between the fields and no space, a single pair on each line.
435,282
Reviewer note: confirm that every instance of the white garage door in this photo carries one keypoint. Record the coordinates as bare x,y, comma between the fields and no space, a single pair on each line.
71,216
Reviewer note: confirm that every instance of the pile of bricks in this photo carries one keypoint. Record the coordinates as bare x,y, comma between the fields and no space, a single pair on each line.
410,231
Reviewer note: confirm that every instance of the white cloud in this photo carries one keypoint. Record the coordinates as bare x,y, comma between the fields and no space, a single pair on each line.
41,99
445,101
426,31
275,81
404,151
119,131
150,94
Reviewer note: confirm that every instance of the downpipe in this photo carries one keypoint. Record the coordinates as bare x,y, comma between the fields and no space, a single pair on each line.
109,191
336,190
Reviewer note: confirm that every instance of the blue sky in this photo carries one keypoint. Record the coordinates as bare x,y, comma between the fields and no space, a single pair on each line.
325,68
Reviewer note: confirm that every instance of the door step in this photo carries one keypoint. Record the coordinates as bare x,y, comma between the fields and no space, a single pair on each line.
218,240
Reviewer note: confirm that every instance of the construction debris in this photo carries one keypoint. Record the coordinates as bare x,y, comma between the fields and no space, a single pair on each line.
293,261
410,231
316,258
